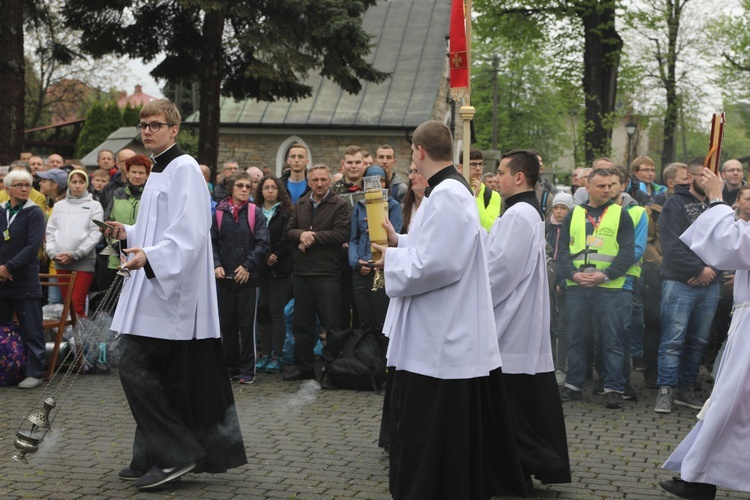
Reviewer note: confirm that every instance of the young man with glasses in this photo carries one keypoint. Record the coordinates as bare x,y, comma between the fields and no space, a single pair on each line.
172,364
489,201
644,170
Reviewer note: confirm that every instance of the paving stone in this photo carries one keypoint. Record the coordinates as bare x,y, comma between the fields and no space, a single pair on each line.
324,449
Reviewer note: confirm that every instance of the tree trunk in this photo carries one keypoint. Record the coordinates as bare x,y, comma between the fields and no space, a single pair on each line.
670,83
210,88
601,59
12,69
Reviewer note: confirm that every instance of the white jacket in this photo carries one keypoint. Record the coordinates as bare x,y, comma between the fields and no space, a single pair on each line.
70,230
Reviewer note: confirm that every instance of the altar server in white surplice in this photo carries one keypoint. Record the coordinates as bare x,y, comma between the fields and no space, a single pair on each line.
451,433
171,361
715,452
517,264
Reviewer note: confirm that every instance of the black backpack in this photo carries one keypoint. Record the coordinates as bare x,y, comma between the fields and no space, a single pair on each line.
354,359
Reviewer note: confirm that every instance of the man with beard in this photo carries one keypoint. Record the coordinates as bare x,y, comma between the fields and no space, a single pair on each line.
690,293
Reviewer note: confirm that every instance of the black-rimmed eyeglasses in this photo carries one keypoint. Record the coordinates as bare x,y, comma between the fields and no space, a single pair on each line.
154,126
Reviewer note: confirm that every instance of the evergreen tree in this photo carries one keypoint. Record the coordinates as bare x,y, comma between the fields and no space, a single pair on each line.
243,49
101,120
130,115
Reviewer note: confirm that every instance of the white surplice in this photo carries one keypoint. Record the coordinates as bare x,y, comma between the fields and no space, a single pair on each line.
173,228
440,321
517,264
716,449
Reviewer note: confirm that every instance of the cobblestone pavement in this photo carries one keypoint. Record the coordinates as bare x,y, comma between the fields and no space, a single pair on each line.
308,444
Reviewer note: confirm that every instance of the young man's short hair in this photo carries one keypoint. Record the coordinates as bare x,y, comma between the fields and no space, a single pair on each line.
387,146
600,172
636,164
436,139
162,106
298,145
696,164
621,172
352,150
524,161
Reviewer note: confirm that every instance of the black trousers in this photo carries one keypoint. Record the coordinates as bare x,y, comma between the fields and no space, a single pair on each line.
273,296
371,306
162,436
237,322
29,314
313,295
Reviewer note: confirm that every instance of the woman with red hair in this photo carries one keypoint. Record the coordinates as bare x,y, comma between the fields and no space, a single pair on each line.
125,201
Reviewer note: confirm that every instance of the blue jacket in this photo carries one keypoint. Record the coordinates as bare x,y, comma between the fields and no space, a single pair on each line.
359,238
20,253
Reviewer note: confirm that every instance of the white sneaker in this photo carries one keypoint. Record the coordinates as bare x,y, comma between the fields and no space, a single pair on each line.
30,383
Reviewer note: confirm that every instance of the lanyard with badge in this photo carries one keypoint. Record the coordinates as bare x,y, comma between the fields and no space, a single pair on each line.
593,241
6,233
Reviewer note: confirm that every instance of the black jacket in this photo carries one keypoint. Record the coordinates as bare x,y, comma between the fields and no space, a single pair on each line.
280,245
20,253
235,245
640,196
680,210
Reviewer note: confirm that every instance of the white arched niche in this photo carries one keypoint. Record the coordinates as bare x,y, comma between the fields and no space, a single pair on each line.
281,154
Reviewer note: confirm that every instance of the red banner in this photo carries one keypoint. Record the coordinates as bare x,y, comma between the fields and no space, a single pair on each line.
458,57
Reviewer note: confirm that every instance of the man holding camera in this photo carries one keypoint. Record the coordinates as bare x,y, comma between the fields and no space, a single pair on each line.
596,249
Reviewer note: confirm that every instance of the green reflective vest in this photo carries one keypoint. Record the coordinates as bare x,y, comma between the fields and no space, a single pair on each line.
603,247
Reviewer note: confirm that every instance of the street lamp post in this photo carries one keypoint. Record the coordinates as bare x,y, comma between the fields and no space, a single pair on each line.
630,128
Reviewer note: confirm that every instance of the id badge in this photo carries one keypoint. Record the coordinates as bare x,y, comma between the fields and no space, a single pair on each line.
6,234
594,241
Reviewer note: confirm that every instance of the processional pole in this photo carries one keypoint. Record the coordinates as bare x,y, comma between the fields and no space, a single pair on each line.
460,72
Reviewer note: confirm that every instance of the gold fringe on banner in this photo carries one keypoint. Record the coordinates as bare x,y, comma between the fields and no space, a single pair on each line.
459,93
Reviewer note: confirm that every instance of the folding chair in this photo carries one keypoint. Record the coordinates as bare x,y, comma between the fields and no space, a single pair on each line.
69,281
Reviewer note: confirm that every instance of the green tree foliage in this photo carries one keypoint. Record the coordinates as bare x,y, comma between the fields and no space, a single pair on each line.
587,47
130,115
101,120
243,49
530,112
188,140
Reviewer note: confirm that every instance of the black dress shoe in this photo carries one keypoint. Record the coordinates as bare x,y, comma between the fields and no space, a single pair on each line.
300,375
684,489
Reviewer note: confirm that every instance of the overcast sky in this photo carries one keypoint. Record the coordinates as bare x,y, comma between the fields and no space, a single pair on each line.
139,76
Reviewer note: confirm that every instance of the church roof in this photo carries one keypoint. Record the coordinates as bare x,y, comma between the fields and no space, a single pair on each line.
409,41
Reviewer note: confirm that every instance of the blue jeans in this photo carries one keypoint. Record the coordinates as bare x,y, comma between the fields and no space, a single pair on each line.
686,316
605,308
636,319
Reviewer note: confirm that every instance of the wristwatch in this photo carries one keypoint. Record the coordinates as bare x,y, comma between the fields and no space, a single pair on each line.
714,201
606,278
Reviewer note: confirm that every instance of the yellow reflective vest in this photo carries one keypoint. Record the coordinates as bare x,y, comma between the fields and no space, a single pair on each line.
636,212
598,249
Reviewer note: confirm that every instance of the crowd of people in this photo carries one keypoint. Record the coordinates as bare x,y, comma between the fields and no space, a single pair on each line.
618,287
